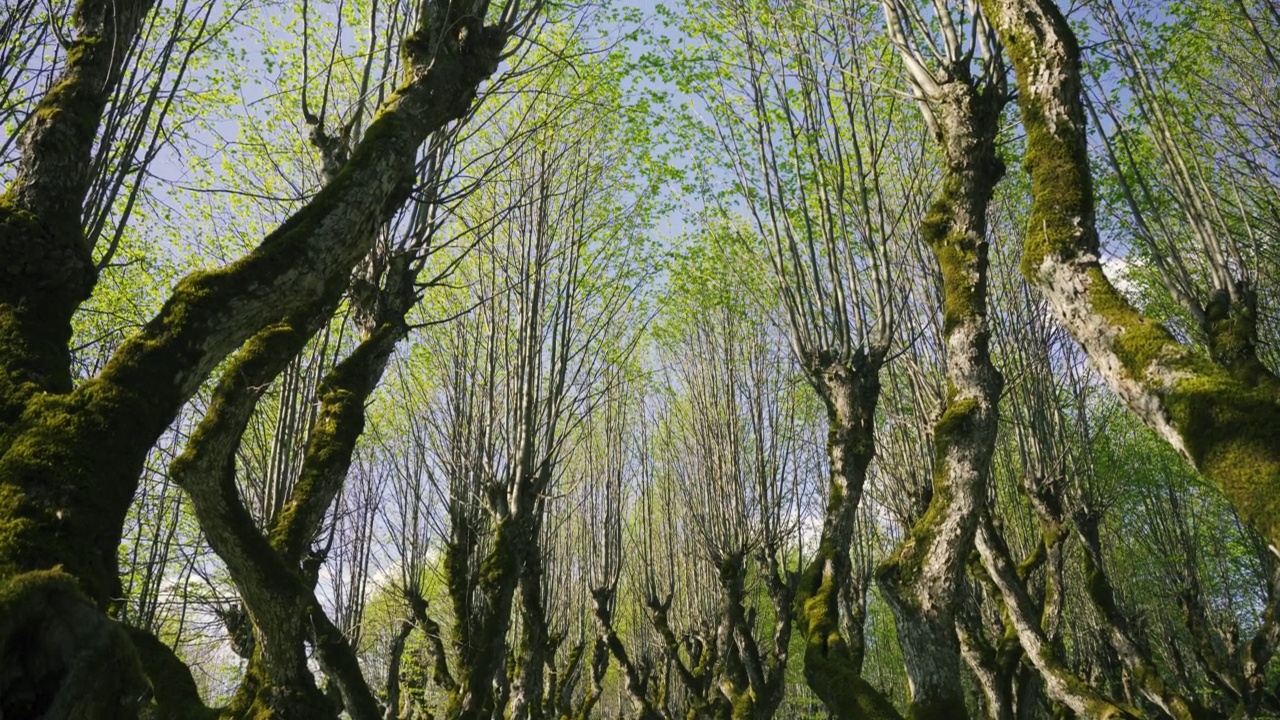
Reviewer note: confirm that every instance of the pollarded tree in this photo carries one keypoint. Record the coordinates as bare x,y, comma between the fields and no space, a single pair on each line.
733,438
826,166
71,454
541,310
1217,404
958,77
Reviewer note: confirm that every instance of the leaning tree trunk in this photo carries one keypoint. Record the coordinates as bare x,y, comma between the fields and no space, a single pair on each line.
70,458
267,570
1220,412
922,579
1062,685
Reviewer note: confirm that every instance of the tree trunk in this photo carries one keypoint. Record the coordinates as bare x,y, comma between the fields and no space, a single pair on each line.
484,654
267,572
535,640
921,580
1062,685
70,458
1221,412
850,389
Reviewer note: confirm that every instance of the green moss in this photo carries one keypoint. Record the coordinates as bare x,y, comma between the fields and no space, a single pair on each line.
258,699
955,419
176,695
39,289
1061,220
75,99
76,520
960,257
1140,341
501,564
53,645
743,705
1231,434
828,662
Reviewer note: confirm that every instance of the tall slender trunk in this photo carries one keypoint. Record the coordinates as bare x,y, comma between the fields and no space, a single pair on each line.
922,579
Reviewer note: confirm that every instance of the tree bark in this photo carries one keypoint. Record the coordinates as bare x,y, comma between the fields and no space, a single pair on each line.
49,268
1221,412
850,390
1062,685
921,580
482,654
267,572
70,458
535,645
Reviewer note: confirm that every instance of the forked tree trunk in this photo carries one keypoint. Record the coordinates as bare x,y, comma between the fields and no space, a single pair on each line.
484,654
1062,685
70,458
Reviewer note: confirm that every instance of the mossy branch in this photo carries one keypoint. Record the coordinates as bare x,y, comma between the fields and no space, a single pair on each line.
1221,412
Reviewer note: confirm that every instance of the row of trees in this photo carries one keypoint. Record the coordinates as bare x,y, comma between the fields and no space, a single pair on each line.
442,417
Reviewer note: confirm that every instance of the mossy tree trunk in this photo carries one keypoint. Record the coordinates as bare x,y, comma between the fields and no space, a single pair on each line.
535,636
70,458
267,571
850,389
483,586
992,663
697,675
754,680
1129,648
1220,412
922,579
636,677
49,266
482,652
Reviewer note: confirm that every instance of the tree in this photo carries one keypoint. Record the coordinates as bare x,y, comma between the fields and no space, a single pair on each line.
1218,409
813,172
449,441
922,579
72,453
